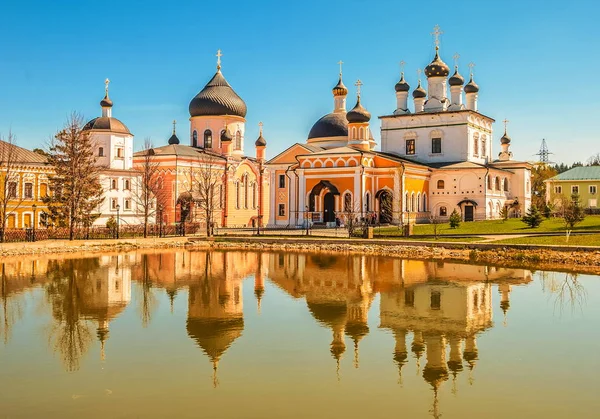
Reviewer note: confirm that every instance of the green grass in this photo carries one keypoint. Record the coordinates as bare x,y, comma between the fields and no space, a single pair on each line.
443,239
511,226
586,240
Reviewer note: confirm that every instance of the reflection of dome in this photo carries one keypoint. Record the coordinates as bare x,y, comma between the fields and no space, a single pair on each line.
330,125
215,336
358,114
437,68
435,376
108,124
455,366
103,312
217,98
329,314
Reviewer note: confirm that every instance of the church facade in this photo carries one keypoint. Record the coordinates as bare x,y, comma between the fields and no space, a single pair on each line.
434,159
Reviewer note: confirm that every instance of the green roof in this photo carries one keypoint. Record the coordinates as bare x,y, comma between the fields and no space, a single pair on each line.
580,173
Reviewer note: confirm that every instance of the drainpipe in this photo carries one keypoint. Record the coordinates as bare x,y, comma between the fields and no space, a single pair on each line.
485,185
290,196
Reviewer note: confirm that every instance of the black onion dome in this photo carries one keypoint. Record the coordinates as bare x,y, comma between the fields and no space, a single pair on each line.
106,102
437,68
471,86
340,89
419,92
331,125
226,136
104,123
260,141
218,99
505,139
456,79
358,114
173,140
402,85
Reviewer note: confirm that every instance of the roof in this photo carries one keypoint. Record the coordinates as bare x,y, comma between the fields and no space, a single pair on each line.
217,98
333,124
20,154
309,147
107,124
177,150
580,173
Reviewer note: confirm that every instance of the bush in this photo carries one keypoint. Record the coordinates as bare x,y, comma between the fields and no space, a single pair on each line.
533,218
455,219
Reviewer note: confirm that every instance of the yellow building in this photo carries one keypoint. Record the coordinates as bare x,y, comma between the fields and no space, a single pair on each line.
583,181
25,187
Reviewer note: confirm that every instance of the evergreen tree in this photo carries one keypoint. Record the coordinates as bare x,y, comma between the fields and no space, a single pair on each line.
75,185
455,219
533,218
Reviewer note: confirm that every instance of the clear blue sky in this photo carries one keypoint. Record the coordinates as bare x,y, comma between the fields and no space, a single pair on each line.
536,63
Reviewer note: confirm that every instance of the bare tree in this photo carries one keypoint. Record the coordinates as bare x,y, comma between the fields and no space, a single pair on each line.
75,186
10,198
206,184
146,191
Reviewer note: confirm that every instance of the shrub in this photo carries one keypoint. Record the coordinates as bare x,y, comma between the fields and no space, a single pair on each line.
455,219
533,218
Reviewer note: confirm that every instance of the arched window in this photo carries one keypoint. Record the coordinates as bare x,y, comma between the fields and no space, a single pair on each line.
361,133
476,144
440,184
238,140
354,133
195,139
101,152
113,184
483,146
506,185
367,201
245,191
419,202
237,194
208,139
497,183
424,203
347,202
127,184
254,195
412,202
406,202
443,212
489,182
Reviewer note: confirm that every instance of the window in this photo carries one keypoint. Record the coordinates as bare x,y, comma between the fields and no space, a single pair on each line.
208,139
436,300
347,202
497,183
593,189
558,189
127,184
120,152
489,182
43,190
440,184
443,211
575,189
128,204
237,194
101,152
476,145
12,189
483,147
254,195
506,185
424,203
281,210
282,181
436,145
409,298
113,203
28,190
245,191
113,184
410,147
195,139
238,140
367,201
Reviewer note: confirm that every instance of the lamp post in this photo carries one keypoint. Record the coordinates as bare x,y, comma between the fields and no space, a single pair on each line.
34,207
307,222
258,221
118,220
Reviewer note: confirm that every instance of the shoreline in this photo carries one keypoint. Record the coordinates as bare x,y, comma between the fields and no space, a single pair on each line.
518,256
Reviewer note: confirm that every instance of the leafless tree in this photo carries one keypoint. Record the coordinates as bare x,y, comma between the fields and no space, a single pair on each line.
206,185
435,221
75,186
10,198
147,188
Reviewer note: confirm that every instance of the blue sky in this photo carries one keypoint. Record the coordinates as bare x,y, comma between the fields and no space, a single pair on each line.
535,63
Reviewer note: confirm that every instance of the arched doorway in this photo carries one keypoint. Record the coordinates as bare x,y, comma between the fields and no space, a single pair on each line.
328,208
385,200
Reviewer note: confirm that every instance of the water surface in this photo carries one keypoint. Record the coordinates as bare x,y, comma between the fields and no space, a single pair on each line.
292,335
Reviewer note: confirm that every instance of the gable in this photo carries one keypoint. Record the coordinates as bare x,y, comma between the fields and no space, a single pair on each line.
289,156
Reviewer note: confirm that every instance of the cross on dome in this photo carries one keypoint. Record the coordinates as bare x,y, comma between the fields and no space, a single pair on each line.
219,55
174,123
419,71
106,83
340,63
358,84
260,127
506,121
436,35
471,66
456,57
402,64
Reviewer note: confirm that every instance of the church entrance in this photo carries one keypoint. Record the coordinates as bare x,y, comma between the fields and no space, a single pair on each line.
328,208
469,212
385,207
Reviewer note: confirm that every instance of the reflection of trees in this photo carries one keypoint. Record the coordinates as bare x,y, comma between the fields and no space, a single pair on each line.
70,334
568,291
148,299
11,311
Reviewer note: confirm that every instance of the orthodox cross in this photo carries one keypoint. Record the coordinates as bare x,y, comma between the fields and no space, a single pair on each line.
358,84
174,123
219,55
106,83
419,71
340,63
506,121
402,64
471,66
436,35
456,57
260,125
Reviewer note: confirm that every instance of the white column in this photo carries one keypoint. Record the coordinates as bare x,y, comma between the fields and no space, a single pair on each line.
301,198
273,190
396,205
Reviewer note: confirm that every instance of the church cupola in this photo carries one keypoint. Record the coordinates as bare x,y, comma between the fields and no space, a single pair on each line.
358,123
260,144
402,88
505,153
437,72
471,91
226,142
174,140
419,95
456,83
339,94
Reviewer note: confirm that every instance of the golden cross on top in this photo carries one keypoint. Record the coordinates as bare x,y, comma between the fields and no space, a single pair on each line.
106,83
260,125
174,123
436,35
471,66
219,55
456,57
506,121
340,63
358,84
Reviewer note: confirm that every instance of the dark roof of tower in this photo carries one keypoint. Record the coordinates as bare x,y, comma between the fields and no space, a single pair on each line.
471,86
340,89
217,98
402,85
260,141
419,92
437,68
106,102
107,124
456,79
505,139
358,114
174,140
331,125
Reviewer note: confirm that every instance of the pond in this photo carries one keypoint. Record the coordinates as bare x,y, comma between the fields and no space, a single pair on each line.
294,335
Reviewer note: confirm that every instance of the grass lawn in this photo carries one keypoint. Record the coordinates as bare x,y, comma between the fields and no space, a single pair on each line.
443,239
587,240
513,225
